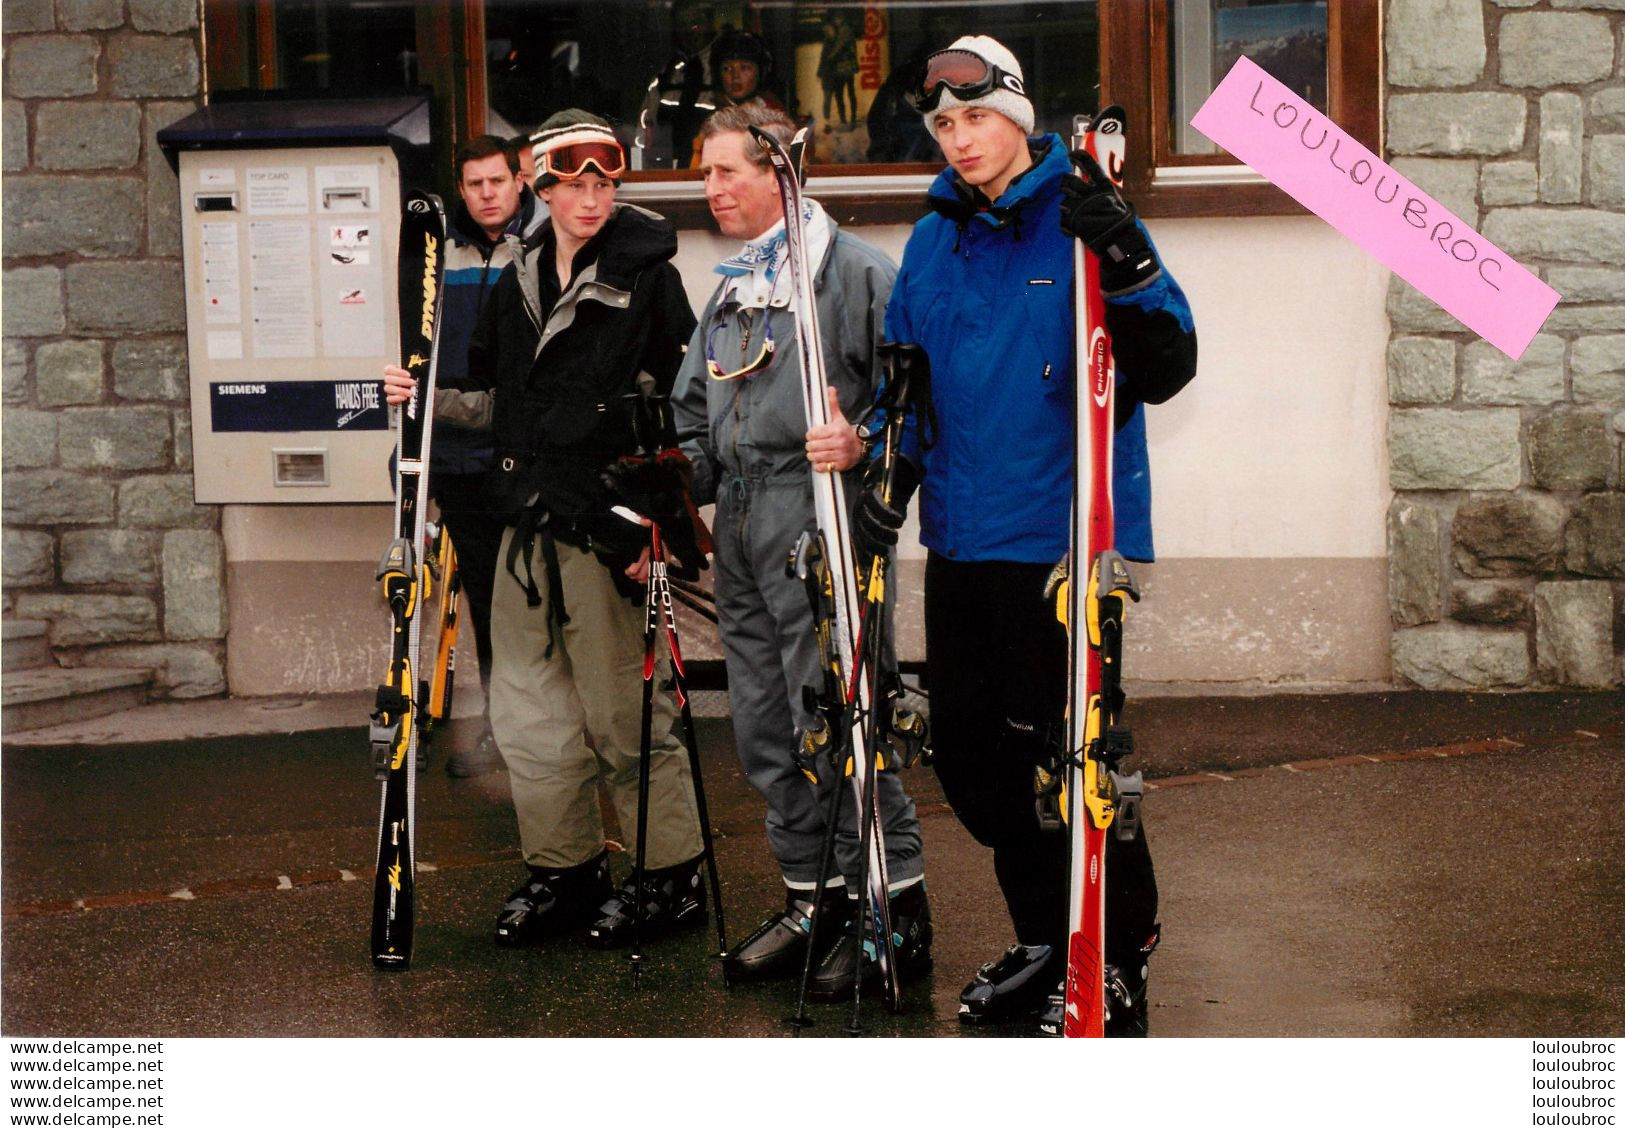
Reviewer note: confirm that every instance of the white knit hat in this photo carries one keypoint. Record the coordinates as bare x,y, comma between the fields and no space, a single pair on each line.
1003,100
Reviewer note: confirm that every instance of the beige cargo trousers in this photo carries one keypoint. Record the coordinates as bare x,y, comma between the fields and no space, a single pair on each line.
568,721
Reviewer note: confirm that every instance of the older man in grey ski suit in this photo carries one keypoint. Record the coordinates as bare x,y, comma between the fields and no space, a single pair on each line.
739,410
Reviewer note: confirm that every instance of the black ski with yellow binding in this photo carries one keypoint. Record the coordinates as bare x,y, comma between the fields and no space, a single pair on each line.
404,574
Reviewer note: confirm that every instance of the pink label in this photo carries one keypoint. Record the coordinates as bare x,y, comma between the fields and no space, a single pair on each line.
1303,153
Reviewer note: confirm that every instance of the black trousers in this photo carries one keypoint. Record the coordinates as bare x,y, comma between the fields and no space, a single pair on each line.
476,534
996,653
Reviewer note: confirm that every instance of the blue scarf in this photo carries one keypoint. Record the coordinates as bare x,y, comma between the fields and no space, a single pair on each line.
752,273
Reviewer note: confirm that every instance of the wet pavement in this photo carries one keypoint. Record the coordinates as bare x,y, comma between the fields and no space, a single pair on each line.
1360,864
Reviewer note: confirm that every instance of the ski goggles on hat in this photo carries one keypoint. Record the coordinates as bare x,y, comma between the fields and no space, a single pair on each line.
567,153
763,356
965,75
569,161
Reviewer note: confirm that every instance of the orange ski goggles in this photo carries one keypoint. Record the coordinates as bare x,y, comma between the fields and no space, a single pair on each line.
569,161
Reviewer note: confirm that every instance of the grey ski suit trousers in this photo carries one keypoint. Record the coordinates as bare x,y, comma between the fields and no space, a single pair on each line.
767,641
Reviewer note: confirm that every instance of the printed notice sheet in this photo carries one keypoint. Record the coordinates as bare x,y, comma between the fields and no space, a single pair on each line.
278,191
282,288
222,275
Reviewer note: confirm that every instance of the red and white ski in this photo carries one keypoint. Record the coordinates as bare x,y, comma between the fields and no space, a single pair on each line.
1096,573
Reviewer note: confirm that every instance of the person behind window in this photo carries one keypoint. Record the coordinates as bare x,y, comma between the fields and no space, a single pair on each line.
594,314
677,97
986,289
741,67
742,70
896,133
743,424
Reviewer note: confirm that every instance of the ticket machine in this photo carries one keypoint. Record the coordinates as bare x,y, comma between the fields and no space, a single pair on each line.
289,214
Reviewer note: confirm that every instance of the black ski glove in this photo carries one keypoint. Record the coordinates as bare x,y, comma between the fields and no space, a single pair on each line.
1093,211
875,522
659,488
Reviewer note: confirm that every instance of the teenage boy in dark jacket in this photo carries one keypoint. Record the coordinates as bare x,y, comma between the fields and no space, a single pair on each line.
596,313
986,289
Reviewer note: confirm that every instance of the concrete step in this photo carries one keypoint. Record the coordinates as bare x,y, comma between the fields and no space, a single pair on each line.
36,698
25,645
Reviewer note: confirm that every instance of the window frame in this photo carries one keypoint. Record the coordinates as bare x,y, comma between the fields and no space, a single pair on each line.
1134,69
241,51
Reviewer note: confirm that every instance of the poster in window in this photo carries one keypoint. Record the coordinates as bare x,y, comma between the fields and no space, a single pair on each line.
842,57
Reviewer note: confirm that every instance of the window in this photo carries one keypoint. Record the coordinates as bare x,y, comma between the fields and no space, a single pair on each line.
1287,38
369,44
311,45
654,67
1165,56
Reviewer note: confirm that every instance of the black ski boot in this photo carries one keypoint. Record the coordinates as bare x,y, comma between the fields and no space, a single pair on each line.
911,948
1013,987
553,901
672,898
1125,1008
1127,1011
778,947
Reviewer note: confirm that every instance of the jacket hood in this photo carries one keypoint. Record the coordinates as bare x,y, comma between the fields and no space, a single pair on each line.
632,241
957,201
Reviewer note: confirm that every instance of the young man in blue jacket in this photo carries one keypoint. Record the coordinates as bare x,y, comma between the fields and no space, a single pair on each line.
986,288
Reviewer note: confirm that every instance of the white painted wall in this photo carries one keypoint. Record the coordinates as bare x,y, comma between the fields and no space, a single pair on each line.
1269,471
1278,448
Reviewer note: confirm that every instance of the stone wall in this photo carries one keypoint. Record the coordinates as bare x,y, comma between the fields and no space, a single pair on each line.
1507,530
101,537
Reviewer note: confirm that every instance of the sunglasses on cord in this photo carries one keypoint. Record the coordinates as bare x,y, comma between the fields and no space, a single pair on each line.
764,356
965,75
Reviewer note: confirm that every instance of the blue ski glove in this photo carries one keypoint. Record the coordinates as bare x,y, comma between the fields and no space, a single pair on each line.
1093,211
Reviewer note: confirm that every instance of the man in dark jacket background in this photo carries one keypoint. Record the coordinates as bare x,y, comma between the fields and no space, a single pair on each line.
493,201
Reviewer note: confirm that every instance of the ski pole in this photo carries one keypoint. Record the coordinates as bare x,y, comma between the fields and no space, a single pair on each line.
806,563
903,363
657,562
693,590
650,616
800,1019
885,958
705,611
